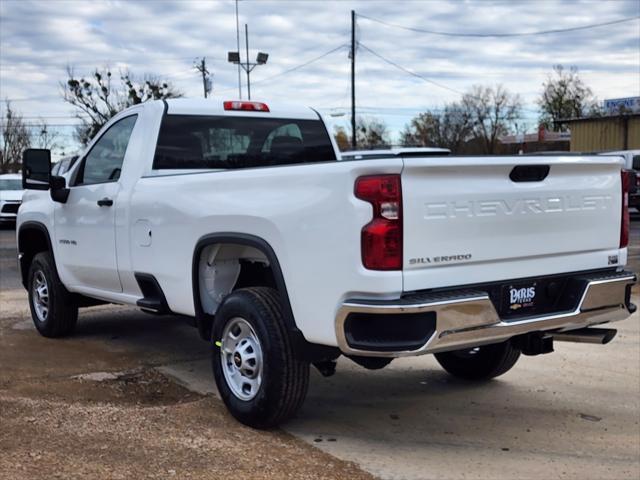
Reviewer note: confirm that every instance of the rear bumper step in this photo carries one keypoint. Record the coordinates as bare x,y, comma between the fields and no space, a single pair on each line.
468,318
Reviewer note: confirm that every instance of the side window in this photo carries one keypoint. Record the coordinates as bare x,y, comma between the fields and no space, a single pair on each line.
104,162
636,162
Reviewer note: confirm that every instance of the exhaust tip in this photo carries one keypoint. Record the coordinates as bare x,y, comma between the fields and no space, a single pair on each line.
600,336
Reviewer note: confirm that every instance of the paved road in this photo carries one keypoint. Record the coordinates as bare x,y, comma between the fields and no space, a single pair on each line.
572,414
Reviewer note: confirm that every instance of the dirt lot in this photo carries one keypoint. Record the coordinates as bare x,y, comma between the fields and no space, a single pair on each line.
97,405
61,419
131,423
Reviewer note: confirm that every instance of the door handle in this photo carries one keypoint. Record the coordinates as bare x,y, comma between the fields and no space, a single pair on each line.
105,202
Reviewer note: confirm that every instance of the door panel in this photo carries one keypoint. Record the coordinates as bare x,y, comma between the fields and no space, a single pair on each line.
85,224
85,234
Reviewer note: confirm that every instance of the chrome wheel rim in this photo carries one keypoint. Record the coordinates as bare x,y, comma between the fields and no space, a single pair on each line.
40,296
241,357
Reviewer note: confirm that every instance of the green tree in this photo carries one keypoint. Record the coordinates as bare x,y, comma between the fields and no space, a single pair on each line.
565,95
97,98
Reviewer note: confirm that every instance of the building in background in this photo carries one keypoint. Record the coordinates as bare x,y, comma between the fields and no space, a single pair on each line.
617,129
541,141
599,134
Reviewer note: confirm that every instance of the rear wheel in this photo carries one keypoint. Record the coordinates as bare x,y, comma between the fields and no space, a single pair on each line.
258,377
53,311
480,363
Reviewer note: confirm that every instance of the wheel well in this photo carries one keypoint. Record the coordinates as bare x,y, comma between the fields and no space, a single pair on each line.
246,261
227,261
225,267
32,239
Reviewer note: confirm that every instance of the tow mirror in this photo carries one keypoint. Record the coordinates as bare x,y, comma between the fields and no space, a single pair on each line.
36,169
59,191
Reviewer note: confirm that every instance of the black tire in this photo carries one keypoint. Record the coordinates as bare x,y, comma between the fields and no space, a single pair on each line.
62,313
480,363
285,379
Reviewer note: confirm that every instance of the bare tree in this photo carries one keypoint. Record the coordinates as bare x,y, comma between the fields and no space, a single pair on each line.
15,139
493,113
564,95
97,99
448,129
371,133
45,137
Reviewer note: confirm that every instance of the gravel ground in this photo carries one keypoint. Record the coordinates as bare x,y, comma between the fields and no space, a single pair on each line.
84,408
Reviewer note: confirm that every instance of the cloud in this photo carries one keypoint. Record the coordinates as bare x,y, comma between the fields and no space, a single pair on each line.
38,39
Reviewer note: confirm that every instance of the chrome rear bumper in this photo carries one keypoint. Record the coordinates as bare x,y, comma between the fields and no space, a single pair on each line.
468,318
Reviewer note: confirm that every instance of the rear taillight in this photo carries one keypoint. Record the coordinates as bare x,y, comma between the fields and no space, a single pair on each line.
245,106
625,180
382,236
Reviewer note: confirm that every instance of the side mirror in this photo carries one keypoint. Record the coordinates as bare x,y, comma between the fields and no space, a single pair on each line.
36,169
59,191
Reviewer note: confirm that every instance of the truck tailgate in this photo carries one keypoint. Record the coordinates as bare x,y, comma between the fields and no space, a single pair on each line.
466,221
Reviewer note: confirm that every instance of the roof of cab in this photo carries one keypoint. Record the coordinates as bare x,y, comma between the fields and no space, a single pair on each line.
202,106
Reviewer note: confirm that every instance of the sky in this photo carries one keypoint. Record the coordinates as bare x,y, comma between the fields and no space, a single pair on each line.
39,39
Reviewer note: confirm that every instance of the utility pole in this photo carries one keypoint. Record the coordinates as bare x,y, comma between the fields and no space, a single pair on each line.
353,79
206,81
238,45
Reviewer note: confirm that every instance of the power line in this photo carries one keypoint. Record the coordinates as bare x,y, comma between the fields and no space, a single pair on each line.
289,70
406,70
29,99
500,35
386,113
421,77
302,65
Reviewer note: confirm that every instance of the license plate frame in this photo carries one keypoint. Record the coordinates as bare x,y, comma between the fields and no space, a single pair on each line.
519,299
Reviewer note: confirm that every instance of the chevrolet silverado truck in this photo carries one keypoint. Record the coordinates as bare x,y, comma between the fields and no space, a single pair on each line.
245,219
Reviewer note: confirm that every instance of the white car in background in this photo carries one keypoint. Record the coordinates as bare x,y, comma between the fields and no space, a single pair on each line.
10,196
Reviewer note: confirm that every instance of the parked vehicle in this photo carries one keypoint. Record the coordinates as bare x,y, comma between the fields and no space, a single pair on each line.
10,196
632,162
63,165
244,218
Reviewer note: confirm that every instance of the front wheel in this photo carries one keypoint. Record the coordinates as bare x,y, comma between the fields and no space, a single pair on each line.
480,363
53,311
258,377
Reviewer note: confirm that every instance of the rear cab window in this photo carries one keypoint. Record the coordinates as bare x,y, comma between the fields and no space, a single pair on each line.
236,142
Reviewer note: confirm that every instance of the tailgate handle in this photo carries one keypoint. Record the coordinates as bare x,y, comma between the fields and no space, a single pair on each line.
529,173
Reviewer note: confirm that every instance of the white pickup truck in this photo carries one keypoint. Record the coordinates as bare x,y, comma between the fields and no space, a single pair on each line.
245,218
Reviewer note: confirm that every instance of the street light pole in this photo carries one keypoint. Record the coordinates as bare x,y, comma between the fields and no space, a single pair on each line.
248,70
238,45
234,57
353,79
